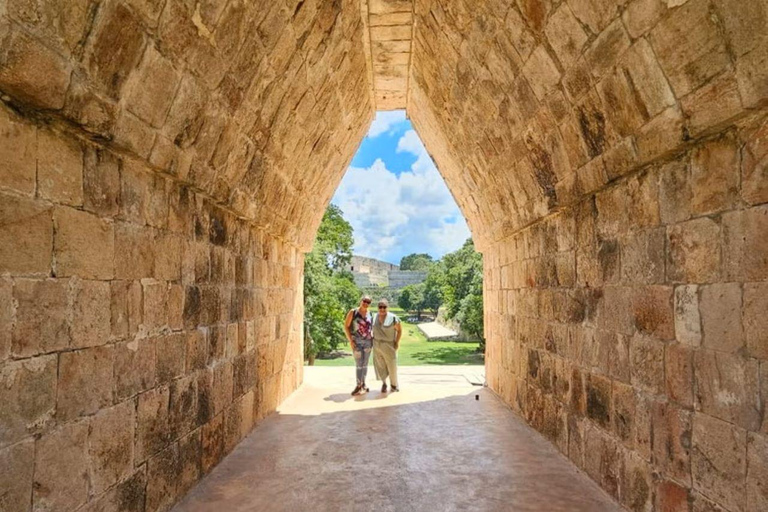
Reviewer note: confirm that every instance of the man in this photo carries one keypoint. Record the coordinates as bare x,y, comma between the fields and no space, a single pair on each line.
387,332
357,327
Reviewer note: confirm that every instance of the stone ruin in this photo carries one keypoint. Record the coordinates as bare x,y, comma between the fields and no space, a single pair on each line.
164,166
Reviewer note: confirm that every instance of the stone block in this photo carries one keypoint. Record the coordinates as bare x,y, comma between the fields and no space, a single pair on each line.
153,427
640,16
647,77
213,443
647,362
623,413
718,461
28,395
755,320
715,177
17,464
745,246
155,301
91,314
135,367
693,251
61,469
153,87
59,169
727,387
720,307
101,182
605,51
244,373
85,382
171,357
653,311
678,365
7,314
197,350
175,307
184,406
26,237
637,481
84,245
675,193
754,167
190,458
18,146
114,49
689,46
125,308
42,316
642,257
713,105
672,497
565,35
593,13
757,472
134,252
134,135
163,479
33,73
687,316
541,72
601,460
661,135
599,400
233,420
110,446
672,441
752,76
127,496
744,22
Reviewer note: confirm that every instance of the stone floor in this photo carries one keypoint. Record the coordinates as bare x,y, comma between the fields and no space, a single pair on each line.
439,444
434,330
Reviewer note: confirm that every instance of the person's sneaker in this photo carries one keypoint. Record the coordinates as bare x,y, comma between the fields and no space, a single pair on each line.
395,388
357,390
365,388
384,388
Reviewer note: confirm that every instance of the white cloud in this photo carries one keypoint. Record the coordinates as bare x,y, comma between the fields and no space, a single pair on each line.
385,121
394,215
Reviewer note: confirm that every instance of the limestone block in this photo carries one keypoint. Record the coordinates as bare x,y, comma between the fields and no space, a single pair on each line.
7,313
85,382
672,441
687,316
134,251
101,182
84,245
541,72
175,307
184,406
675,193
689,46
754,167
128,495
222,387
28,395
606,50
718,461
601,459
755,320
642,257
162,479
727,387
153,431
59,169
213,443
134,135
720,306
91,314
26,236
751,75
660,135
168,258
647,78
595,14
17,155
232,421
42,317
713,105
565,35
637,481
190,455
693,251
615,311
135,368
196,351
745,23
170,357
110,446
623,414
61,469
522,37
640,16
671,496
647,362
155,301
244,373
757,473
599,400
745,245
114,49
87,108
653,311
32,73
678,366
153,88
125,307
618,96
17,464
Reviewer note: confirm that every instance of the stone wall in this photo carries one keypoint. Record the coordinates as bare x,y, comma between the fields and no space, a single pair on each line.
401,278
610,158
154,207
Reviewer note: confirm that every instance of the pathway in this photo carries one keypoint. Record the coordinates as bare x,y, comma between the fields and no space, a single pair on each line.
440,444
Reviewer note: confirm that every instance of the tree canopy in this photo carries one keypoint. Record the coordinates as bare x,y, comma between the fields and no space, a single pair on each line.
415,261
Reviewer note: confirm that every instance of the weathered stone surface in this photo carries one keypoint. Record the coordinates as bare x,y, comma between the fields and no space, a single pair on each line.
678,371
714,177
42,316
647,361
28,393
693,251
757,473
745,246
59,169
154,85
170,357
720,306
85,382
672,441
155,301
755,320
91,314
152,423
718,460
7,312
687,316
190,457
84,245
727,388
61,469
134,367
162,479
653,312
751,76
127,496
213,443
110,446
101,182
754,167
26,236
642,15
134,256
565,35
713,105
17,463
125,307
642,257
17,155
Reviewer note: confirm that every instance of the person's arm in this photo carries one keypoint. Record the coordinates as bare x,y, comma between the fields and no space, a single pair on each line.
347,323
398,334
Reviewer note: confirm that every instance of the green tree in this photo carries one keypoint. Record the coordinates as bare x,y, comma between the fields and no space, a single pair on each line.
412,298
433,289
415,261
328,289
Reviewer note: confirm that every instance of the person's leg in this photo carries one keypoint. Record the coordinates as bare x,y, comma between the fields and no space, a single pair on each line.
392,367
366,354
358,355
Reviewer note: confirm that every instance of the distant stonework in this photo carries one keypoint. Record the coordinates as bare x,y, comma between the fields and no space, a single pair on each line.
372,272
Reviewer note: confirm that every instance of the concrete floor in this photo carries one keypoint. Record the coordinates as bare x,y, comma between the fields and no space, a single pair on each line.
432,446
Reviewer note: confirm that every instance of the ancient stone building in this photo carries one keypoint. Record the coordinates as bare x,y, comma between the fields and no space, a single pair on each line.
164,166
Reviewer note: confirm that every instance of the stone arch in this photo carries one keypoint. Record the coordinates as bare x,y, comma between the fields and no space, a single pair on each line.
165,165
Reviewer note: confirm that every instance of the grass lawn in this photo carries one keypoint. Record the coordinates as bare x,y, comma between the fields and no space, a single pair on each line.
415,350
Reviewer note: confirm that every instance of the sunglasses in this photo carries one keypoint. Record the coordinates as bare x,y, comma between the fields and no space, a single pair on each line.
382,307
366,302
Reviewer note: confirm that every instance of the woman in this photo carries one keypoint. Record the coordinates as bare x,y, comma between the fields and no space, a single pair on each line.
386,341
357,327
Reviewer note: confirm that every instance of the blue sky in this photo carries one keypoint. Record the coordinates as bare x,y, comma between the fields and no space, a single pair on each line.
395,198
